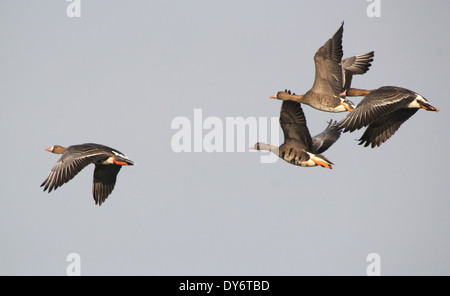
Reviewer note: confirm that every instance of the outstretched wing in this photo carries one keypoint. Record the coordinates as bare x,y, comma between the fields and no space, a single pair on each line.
72,161
293,123
382,129
376,105
359,64
324,140
104,181
327,60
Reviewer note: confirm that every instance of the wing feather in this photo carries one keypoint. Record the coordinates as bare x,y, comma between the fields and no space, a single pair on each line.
104,181
293,123
72,161
327,60
376,105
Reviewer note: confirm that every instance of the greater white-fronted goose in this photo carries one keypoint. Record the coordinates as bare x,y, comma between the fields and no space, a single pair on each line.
108,162
333,77
383,111
298,147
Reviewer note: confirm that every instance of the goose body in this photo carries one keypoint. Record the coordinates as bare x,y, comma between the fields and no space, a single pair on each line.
299,148
108,162
383,111
333,77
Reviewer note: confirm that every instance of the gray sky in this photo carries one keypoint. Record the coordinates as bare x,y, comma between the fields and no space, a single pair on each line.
120,74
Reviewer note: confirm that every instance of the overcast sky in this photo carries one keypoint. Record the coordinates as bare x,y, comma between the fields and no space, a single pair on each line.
121,73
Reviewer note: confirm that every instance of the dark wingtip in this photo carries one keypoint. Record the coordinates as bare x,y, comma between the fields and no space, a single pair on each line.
98,199
366,143
334,125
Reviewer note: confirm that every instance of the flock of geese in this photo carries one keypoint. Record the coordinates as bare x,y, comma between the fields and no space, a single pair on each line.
382,111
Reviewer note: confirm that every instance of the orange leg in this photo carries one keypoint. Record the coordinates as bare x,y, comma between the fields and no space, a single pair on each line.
346,106
322,163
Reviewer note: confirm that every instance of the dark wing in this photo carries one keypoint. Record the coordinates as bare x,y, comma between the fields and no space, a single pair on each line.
293,123
104,181
72,161
359,64
377,104
324,140
328,79
379,131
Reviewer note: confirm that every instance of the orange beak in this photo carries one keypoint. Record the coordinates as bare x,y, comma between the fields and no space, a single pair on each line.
273,97
48,149
429,108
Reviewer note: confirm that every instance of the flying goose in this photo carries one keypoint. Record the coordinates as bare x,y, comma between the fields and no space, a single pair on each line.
108,162
333,77
383,111
298,147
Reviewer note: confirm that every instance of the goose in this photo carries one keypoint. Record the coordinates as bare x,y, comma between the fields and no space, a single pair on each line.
298,147
333,78
108,162
383,111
